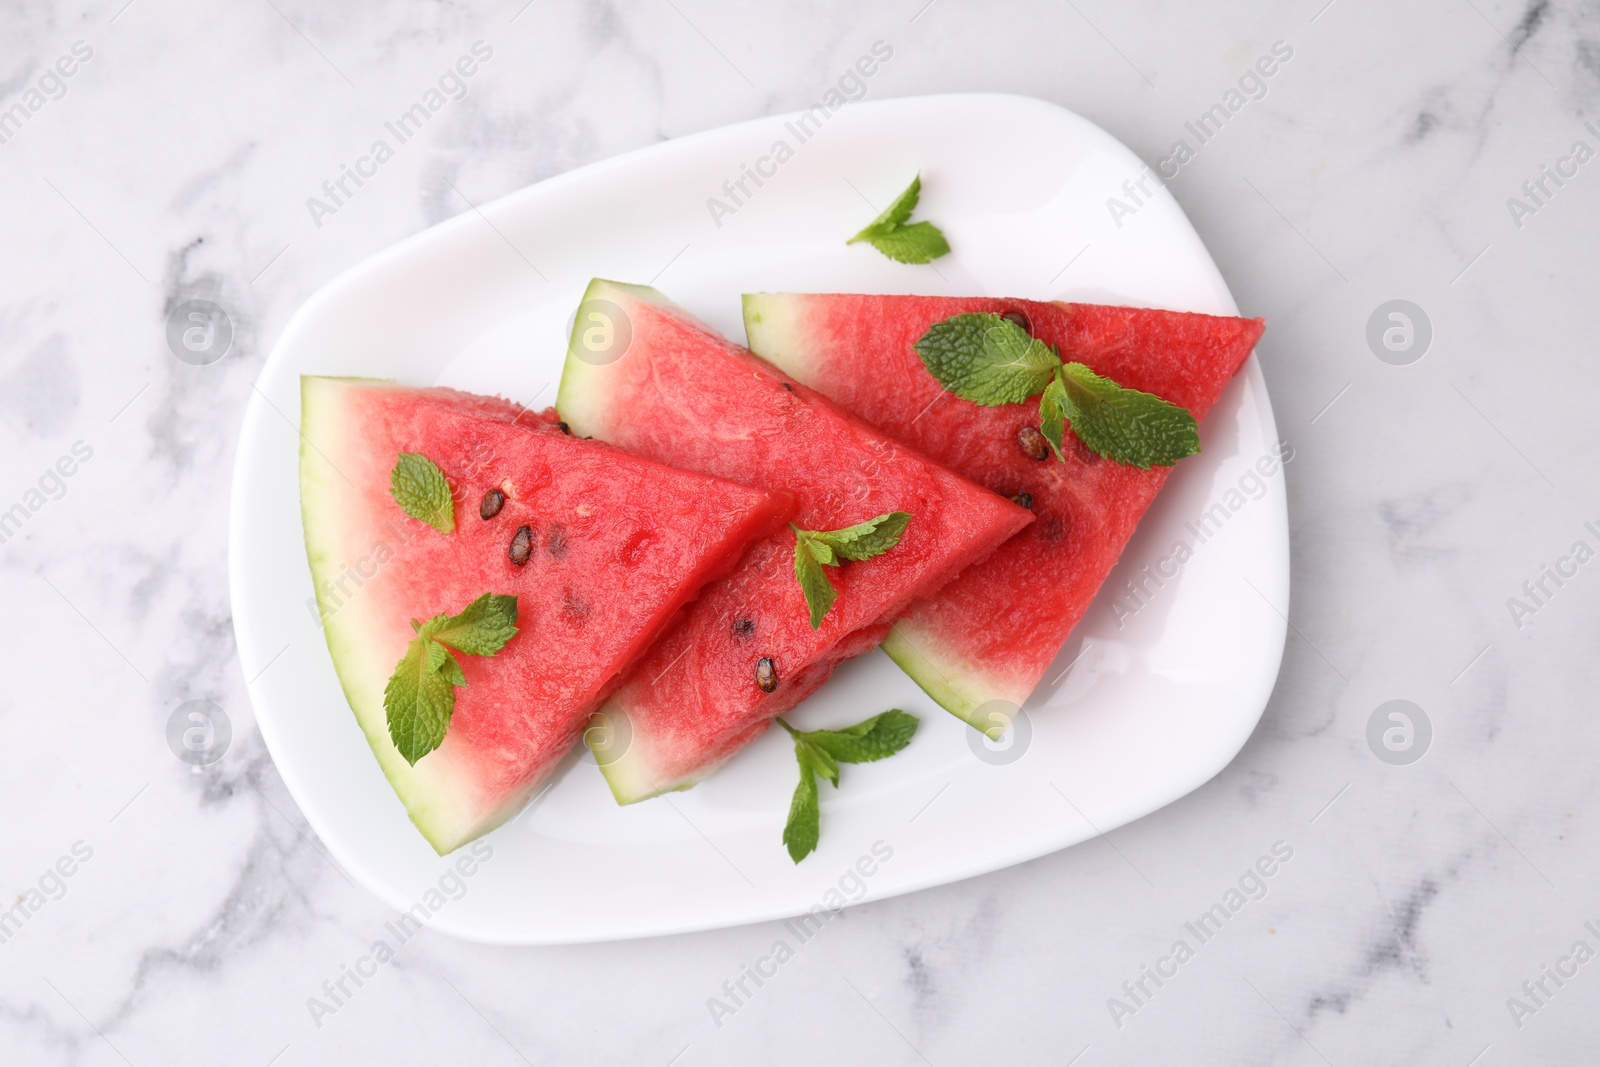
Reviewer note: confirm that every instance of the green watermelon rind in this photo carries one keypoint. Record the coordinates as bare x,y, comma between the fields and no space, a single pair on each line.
964,693
628,774
583,398
770,329
426,791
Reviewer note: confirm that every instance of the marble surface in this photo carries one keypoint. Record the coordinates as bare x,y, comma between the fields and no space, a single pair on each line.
1376,163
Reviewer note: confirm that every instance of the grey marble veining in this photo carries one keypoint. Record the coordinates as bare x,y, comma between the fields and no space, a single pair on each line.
1422,903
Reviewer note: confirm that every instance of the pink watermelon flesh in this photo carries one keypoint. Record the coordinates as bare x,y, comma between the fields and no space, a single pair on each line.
982,643
685,395
621,543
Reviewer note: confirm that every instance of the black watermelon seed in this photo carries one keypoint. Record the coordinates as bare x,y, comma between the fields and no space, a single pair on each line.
491,504
744,629
1034,444
789,387
766,675
1017,317
565,428
557,544
521,546
1023,500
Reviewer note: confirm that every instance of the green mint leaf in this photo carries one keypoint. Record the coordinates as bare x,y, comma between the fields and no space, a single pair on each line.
865,539
804,826
819,592
1053,413
990,360
816,549
421,694
1126,425
419,487
987,359
481,629
819,761
820,550
919,242
812,758
819,753
896,213
868,740
450,667
419,700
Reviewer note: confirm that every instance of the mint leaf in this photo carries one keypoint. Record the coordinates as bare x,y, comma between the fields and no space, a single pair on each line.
898,212
419,487
436,655
990,360
819,762
450,667
816,549
819,592
919,242
482,629
420,696
987,359
1125,425
865,539
804,826
1053,413
867,741
819,753
418,701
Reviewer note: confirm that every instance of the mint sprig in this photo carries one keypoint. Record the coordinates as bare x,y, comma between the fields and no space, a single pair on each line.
991,360
819,753
419,487
889,233
817,549
420,697
987,359
1125,425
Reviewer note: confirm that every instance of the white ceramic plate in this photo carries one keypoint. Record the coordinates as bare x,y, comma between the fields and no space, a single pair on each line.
1148,711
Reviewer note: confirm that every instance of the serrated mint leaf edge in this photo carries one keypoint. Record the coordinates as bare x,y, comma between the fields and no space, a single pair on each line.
802,830
814,584
415,728
854,744
895,214
916,244
437,662
889,233
482,628
421,490
961,351
1080,376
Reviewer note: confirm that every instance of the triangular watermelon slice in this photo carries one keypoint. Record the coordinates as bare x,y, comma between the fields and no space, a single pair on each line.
981,645
682,394
616,545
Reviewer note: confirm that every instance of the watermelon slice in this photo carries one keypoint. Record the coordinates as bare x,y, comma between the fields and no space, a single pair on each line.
618,545
682,394
981,645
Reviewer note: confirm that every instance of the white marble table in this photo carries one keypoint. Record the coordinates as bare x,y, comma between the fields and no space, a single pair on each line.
199,915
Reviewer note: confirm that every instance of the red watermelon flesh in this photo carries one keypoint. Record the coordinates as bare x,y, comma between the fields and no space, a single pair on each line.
620,544
981,645
684,395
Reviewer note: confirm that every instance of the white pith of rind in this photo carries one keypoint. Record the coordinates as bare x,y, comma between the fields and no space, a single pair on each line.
434,791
